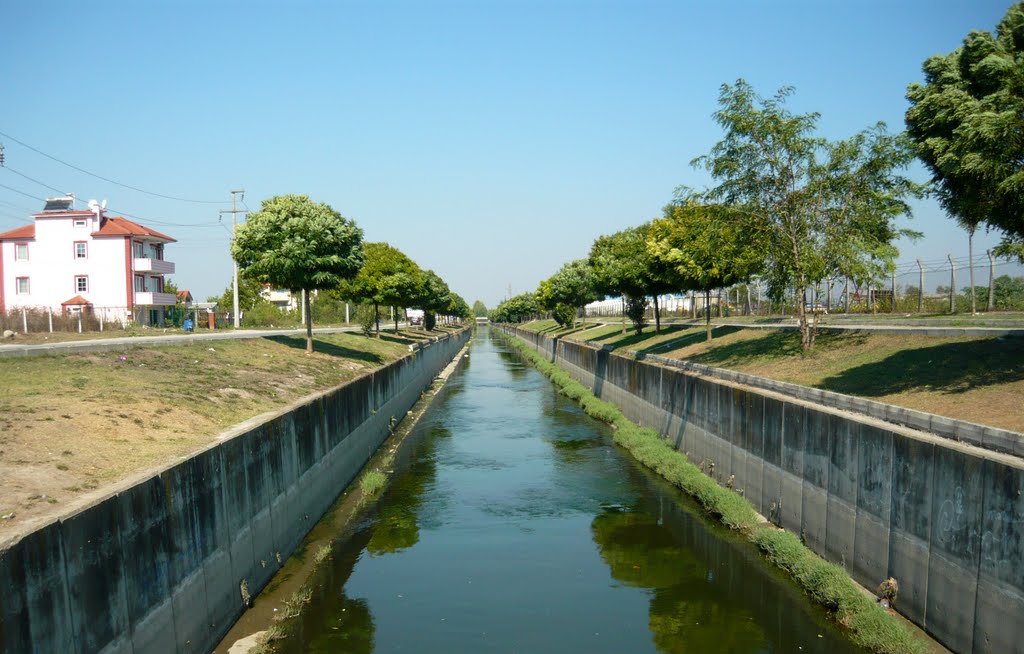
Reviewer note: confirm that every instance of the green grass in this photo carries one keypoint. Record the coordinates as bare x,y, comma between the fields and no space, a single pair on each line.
868,623
372,482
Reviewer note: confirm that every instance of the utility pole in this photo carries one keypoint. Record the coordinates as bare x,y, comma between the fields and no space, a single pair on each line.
234,231
920,286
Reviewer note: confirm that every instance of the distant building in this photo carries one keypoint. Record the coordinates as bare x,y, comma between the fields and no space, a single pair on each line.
73,261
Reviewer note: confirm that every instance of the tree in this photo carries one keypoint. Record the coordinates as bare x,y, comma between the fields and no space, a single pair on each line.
516,309
479,309
967,123
567,290
433,296
249,294
813,205
388,278
706,247
295,243
622,265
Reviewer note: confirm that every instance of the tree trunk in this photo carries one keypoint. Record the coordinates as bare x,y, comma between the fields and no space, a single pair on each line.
395,314
376,319
707,313
806,329
623,314
657,315
309,322
970,259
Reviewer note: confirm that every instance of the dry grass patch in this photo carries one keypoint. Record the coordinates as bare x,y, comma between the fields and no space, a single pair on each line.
73,423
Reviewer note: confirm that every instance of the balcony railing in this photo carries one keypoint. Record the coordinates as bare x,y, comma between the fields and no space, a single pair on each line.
157,266
152,298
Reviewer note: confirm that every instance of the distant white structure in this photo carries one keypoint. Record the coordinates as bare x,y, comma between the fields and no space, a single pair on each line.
74,261
613,306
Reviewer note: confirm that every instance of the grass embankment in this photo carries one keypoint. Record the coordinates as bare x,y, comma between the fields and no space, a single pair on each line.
978,379
868,623
72,424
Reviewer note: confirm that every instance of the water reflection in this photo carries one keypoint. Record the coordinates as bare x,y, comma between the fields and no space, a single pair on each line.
687,611
515,525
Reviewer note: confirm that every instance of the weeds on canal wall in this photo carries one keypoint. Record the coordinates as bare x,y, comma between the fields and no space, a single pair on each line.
869,624
372,481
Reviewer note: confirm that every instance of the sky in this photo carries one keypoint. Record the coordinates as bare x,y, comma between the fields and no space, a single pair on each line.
490,140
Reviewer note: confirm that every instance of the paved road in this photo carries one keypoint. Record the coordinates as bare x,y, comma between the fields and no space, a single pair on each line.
101,344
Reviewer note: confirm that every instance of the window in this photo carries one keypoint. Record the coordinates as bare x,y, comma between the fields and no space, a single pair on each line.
21,251
137,250
21,285
80,223
81,250
140,282
82,284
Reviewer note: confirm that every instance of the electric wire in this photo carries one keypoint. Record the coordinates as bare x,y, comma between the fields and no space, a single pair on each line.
107,179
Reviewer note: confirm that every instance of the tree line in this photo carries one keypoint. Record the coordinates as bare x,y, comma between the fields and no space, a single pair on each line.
295,243
793,208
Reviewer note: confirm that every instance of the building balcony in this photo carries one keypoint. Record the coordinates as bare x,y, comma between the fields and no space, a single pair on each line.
155,266
154,299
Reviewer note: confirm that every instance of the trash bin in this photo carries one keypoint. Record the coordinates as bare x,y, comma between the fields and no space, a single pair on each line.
187,325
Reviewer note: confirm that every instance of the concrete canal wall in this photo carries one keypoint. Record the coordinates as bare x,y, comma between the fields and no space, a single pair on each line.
945,518
161,566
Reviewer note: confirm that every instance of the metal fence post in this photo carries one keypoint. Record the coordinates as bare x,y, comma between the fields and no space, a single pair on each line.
952,284
24,322
991,281
920,287
49,318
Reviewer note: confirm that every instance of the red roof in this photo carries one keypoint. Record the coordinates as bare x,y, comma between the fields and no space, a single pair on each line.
78,300
125,227
184,295
27,231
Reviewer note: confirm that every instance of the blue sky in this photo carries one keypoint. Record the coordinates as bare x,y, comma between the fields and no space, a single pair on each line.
491,141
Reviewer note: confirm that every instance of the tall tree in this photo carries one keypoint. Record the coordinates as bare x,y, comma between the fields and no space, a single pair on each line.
295,243
388,278
567,290
706,247
967,123
812,204
479,309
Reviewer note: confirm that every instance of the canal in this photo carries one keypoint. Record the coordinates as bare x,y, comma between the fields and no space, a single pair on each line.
514,524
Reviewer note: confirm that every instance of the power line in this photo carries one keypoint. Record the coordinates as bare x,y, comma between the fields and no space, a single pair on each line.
52,188
27,195
107,179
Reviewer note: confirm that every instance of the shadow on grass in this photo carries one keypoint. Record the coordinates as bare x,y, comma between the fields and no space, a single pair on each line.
950,368
773,344
687,340
330,349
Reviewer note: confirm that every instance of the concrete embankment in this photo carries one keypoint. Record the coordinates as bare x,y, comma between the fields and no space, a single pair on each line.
167,564
945,518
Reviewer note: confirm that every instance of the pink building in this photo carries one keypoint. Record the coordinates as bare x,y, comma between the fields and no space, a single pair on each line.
82,260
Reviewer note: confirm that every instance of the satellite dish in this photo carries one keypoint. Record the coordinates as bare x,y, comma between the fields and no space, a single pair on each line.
104,205
94,206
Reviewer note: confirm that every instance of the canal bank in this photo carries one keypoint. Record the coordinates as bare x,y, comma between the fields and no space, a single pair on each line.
884,501
518,525
167,564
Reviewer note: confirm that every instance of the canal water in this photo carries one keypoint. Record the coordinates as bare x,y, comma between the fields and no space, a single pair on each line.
516,525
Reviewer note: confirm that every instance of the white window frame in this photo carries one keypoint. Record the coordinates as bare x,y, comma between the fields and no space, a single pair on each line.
78,283
17,286
85,250
18,249
81,222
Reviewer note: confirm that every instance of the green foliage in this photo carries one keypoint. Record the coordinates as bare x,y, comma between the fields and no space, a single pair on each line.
249,295
622,264
517,309
479,309
571,287
266,314
564,314
817,208
372,482
295,243
388,278
870,626
966,121
366,316
636,311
